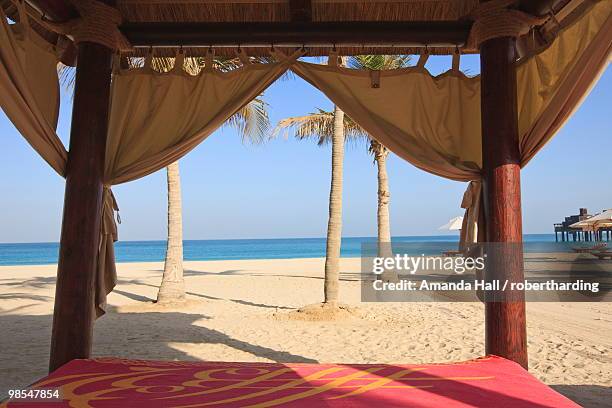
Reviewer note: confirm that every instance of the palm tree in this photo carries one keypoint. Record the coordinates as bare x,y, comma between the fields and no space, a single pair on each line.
172,288
253,124
328,127
335,127
380,153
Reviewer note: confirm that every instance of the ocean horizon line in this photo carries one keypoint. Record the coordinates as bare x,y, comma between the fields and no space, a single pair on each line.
449,235
40,253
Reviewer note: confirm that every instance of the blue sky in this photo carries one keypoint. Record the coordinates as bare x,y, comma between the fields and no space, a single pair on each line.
280,189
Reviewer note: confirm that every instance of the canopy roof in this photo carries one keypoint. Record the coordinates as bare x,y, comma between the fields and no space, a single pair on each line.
280,10
452,14
601,220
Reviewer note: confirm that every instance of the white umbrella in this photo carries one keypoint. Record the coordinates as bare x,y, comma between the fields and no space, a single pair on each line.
453,225
601,220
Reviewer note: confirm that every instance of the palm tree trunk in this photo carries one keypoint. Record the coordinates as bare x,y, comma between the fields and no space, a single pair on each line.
384,196
172,288
334,225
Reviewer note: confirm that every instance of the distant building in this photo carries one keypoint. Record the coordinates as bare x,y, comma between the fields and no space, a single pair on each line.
575,233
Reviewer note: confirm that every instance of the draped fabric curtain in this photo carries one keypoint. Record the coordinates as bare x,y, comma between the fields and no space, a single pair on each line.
29,88
564,74
429,121
434,122
156,118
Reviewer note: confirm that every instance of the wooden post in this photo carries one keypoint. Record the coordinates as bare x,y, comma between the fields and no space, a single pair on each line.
73,314
505,325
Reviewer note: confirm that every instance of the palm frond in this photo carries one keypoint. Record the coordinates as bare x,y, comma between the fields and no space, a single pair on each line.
377,149
378,62
67,76
252,121
469,73
162,64
320,126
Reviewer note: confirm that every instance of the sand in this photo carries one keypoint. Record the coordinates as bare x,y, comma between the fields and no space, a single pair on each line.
246,311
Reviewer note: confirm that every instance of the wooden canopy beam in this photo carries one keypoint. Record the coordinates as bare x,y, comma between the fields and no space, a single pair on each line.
297,34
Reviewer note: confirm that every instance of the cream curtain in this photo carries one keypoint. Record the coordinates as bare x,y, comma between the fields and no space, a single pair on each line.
157,118
106,272
434,122
564,74
29,89
429,121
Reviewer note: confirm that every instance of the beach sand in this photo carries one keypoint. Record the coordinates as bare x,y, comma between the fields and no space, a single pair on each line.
245,311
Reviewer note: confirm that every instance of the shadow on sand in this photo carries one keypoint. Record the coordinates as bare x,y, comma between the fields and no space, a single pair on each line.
145,335
587,395
134,330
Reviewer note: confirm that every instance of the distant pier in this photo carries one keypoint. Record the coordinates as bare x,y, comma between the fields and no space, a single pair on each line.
564,233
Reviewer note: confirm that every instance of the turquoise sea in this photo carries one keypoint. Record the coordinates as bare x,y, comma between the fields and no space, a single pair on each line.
205,250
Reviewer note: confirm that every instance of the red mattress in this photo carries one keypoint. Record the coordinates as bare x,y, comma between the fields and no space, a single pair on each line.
485,382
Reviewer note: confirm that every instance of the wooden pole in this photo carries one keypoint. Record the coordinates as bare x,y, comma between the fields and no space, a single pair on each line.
73,314
505,325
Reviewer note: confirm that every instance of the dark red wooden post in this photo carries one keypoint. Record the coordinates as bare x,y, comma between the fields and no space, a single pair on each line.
505,326
73,315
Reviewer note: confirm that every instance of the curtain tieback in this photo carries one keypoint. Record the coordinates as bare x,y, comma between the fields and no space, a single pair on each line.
375,78
109,208
471,204
287,59
493,20
97,23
